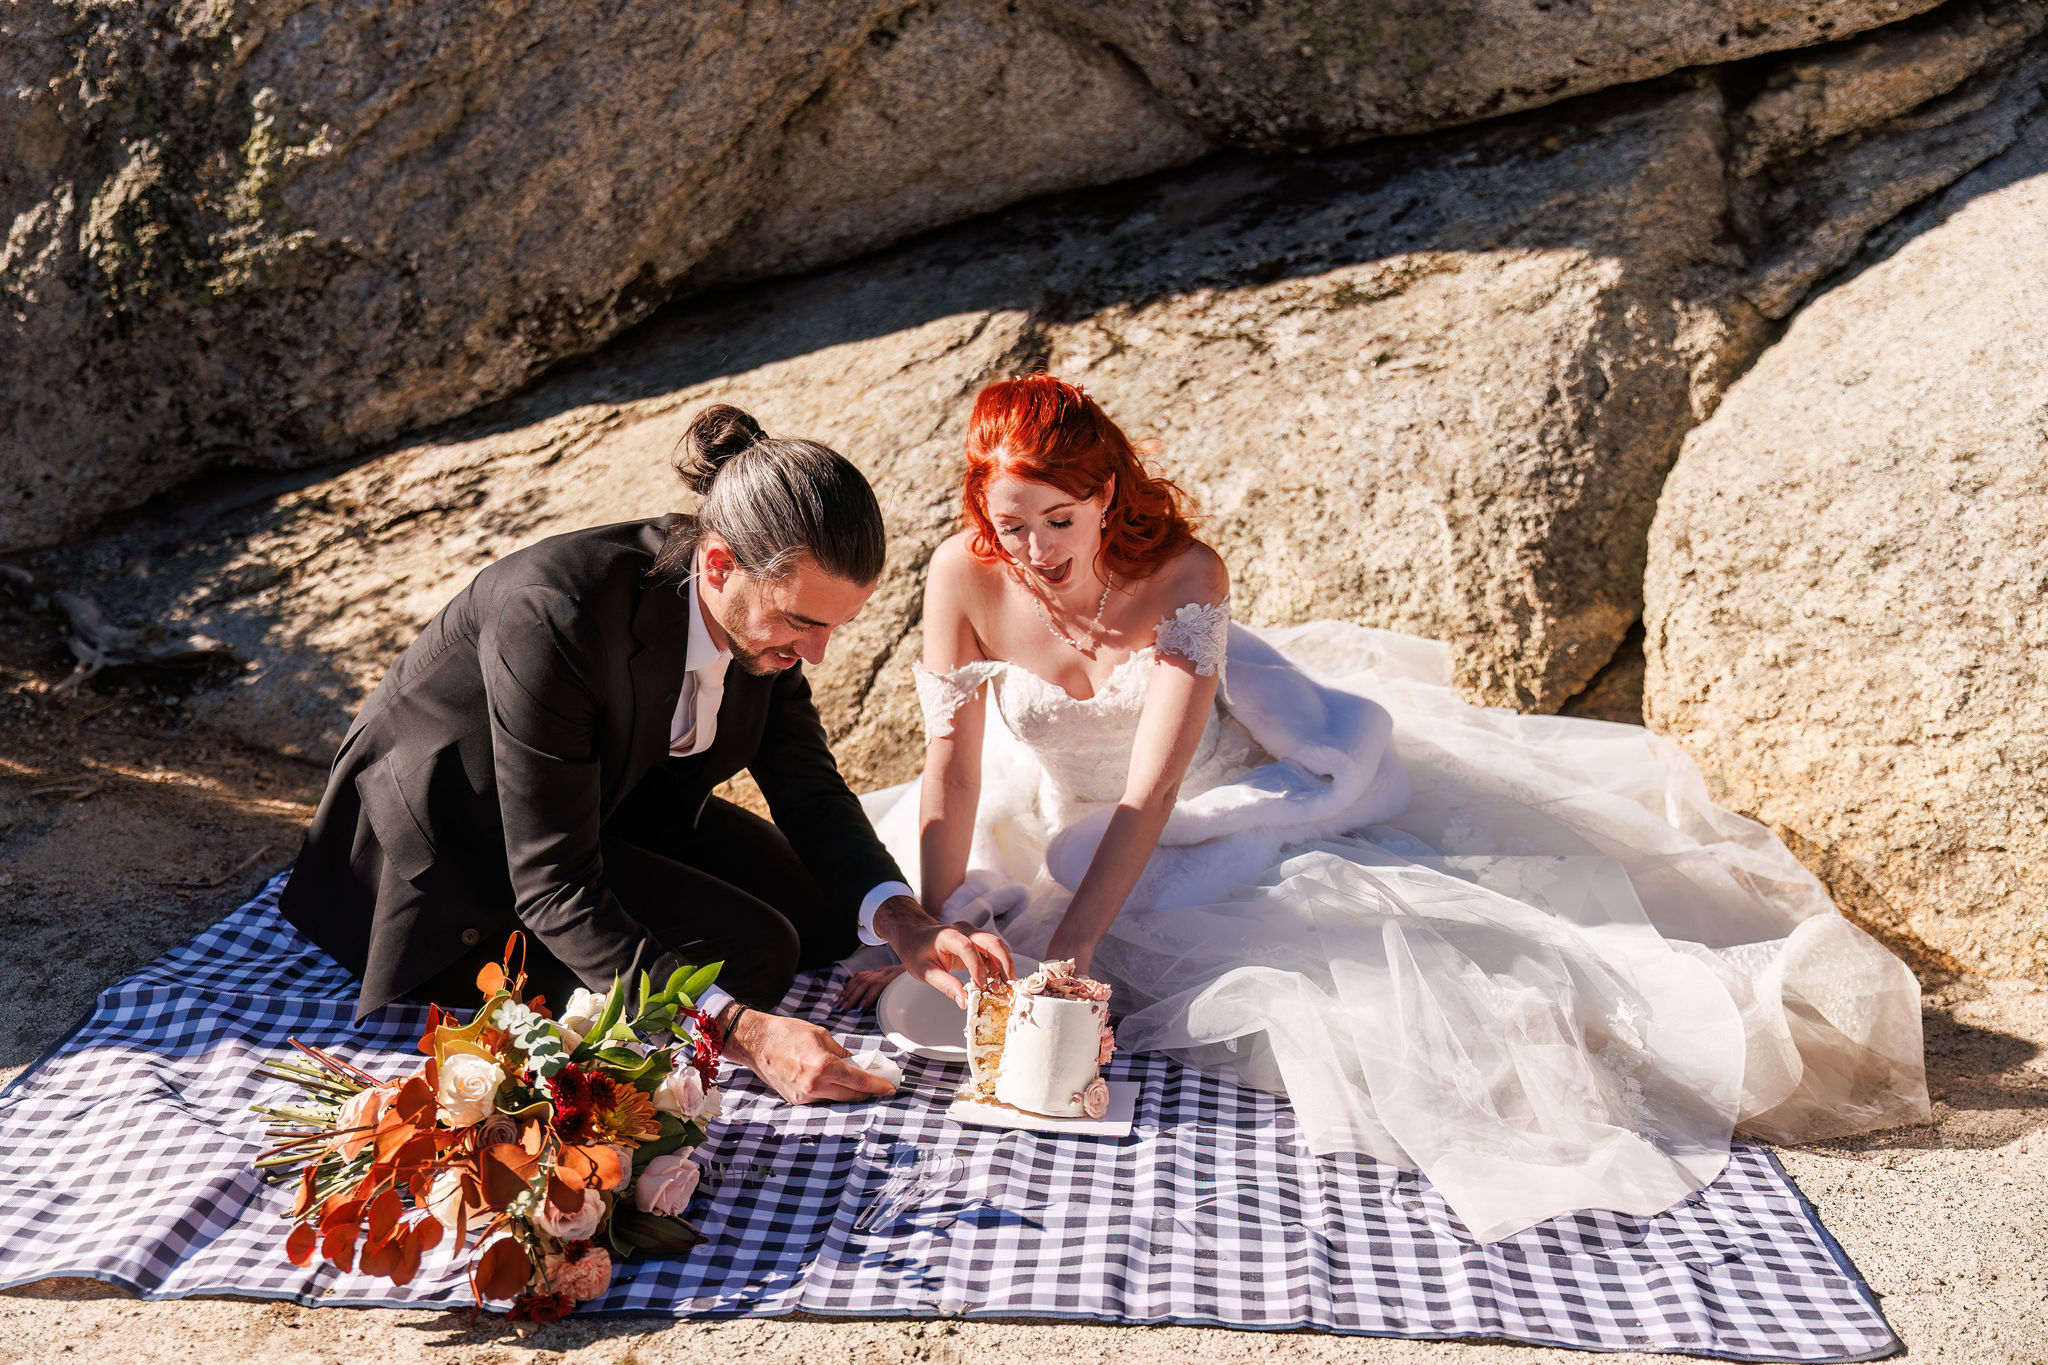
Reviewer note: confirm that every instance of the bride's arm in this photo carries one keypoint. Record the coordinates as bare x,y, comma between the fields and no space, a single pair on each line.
1178,700
951,787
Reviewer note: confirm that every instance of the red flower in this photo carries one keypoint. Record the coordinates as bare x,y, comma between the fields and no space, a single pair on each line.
540,1308
592,1107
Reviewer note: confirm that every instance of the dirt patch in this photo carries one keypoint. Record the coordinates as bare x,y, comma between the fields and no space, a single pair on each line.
122,831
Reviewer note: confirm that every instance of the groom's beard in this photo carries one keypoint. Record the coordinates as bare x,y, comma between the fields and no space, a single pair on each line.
757,662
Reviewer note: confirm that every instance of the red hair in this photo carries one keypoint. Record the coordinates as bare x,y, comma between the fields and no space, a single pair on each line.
1048,431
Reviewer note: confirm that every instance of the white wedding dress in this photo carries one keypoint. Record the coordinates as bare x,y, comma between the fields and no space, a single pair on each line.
1525,954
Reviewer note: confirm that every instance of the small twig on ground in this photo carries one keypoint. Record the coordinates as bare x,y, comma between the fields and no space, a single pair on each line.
237,870
78,788
97,710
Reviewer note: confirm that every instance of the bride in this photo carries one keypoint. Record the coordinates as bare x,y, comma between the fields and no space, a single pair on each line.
1525,954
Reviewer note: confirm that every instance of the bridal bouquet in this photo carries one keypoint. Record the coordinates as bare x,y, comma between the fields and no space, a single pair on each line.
549,1145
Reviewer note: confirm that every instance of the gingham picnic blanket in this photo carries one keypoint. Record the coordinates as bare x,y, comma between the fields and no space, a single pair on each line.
124,1156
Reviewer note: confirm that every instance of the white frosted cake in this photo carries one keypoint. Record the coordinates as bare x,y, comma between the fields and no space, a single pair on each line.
1040,1044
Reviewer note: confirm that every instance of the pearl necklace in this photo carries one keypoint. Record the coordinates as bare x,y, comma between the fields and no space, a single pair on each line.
1100,603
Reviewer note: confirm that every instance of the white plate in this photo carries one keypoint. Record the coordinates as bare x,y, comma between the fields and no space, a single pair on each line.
1123,1103
920,1020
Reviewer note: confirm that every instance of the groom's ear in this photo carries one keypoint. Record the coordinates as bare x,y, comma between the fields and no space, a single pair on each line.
719,563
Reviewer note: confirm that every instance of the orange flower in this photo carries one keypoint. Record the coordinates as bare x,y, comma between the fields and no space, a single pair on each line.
591,1107
628,1120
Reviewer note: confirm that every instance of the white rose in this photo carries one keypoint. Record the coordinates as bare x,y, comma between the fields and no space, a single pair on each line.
468,1092
579,1016
713,1105
444,1198
550,1218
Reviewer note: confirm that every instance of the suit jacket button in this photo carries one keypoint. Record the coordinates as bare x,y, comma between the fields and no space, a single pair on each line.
470,937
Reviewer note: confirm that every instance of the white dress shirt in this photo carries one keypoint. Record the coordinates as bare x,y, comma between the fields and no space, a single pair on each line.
695,725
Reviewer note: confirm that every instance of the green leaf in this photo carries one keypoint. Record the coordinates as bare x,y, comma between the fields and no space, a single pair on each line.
614,1006
700,981
675,1135
651,1235
629,1066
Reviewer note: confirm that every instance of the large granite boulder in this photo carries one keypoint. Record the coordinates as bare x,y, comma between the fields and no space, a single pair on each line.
1837,142
269,234
1847,598
1432,385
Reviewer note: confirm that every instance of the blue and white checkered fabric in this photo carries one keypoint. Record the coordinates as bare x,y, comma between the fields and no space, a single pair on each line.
124,1157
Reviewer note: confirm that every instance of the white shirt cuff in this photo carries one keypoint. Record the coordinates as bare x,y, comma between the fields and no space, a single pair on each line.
873,903
714,999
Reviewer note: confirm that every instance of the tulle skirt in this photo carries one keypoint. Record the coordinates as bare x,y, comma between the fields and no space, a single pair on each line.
1560,980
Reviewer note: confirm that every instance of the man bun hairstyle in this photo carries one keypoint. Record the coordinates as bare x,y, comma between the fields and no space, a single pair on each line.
774,502
715,436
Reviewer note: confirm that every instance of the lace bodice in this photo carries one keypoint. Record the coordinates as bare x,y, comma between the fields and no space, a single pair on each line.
1084,744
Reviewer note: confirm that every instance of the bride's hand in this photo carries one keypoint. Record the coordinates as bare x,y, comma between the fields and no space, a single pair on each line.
864,988
1062,947
931,950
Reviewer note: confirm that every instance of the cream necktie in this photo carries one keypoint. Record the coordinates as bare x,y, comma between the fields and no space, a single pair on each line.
710,692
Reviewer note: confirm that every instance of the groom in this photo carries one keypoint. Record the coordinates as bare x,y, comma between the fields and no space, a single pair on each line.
542,759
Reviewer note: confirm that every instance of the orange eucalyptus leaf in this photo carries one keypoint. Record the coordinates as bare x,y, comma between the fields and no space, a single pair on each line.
339,1245
341,1213
379,1259
381,1217
503,1271
596,1166
564,1196
408,1247
415,1104
303,1203
505,1172
299,1246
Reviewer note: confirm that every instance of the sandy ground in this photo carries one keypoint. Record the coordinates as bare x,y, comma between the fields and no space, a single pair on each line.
122,834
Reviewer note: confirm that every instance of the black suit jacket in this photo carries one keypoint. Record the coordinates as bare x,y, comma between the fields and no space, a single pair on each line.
472,793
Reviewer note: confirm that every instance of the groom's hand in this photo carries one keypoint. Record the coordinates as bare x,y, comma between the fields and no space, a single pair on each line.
931,950
800,1061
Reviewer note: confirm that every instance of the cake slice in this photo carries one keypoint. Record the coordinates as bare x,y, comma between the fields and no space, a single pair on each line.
1040,1044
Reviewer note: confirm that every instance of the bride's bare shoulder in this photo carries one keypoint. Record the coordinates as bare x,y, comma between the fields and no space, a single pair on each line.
958,572
960,582
1195,574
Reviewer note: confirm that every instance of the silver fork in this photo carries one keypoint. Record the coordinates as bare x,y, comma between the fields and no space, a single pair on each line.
908,1187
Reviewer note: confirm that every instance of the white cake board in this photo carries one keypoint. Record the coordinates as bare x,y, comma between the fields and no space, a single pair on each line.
1123,1104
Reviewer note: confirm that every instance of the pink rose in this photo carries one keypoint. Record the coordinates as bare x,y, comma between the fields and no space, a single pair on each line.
666,1185
363,1108
680,1092
582,1271
555,1221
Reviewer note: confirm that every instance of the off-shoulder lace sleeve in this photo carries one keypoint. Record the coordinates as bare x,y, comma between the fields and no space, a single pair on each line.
1198,633
941,695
